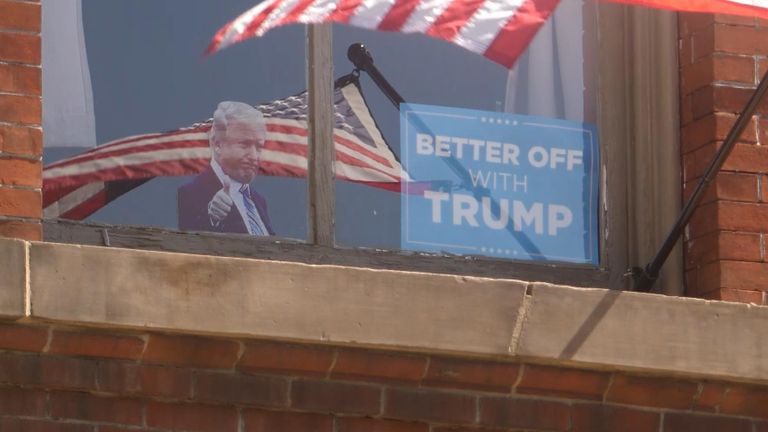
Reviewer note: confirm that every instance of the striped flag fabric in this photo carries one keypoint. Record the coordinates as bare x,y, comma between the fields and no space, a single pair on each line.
750,8
497,29
76,187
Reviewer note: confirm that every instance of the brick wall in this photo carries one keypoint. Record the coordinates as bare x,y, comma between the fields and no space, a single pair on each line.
77,380
20,119
721,61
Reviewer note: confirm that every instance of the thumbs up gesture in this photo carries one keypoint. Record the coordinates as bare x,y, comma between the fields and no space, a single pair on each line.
220,205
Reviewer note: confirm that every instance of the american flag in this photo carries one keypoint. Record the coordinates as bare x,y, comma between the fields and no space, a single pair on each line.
76,187
749,8
497,29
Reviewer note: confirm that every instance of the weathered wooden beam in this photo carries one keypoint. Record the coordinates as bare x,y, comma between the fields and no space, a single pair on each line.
322,153
271,248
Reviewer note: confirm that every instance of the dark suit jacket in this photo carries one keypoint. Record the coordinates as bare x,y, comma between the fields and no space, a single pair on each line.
193,199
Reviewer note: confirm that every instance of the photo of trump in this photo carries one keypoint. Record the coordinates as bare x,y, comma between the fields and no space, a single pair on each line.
220,199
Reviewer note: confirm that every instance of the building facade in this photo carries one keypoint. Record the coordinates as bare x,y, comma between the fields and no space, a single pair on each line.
98,338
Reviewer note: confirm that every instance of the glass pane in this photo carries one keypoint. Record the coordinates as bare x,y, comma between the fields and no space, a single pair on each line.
507,166
133,75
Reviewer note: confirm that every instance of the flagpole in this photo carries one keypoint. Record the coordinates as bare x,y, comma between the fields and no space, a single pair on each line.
644,278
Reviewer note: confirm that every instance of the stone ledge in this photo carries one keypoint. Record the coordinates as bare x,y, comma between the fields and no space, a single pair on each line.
272,299
13,278
473,317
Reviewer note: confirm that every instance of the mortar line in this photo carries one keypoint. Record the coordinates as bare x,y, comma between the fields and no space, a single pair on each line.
522,314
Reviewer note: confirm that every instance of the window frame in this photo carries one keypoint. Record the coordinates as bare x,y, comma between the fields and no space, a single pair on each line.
637,112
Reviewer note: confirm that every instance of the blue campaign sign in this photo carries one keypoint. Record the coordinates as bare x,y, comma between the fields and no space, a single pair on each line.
499,185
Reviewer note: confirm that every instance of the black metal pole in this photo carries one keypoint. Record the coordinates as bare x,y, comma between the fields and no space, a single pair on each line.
361,58
644,278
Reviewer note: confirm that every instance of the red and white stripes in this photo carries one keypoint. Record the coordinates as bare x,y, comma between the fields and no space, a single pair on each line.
751,8
76,187
497,29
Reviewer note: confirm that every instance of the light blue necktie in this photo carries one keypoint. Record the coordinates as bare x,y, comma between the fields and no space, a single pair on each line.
254,221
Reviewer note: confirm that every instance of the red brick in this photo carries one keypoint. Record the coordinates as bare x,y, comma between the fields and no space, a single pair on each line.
691,280
20,203
524,413
285,358
21,230
735,216
430,405
466,429
20,16
707,280
606,418
744,275
762,126
26,110
711,397
717,68
21,172
680,422
762,67
21,48
703,222
58,373
471,374
735,295
29,425
22,338
744,158
741,39
21,140
689,23
191,351
96,345
103,428
241,389
335,397
732,98
82,406
270,421
191,417
747,158
23,402
746,401
735,20
149,380
652,392
734,69
697,75
685,51
686,110
560,382
21,79
703,42
736,187
713,128
374,366
723,245
764,189
703,102
351,424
